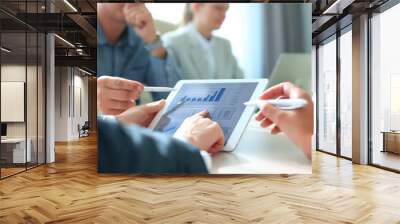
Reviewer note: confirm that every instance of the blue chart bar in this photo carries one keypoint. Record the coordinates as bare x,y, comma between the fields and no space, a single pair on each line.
209,98
221,92
213,96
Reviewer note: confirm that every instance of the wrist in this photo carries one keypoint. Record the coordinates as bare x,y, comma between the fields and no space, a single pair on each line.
153,43
151,40
306,147
158,53
186,138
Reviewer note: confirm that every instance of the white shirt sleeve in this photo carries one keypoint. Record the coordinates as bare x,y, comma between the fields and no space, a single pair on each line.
207,159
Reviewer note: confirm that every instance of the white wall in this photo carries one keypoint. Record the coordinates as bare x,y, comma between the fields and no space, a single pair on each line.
69,82
33,127
246,22
16,73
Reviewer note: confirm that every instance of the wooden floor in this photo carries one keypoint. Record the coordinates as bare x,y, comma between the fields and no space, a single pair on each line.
70,191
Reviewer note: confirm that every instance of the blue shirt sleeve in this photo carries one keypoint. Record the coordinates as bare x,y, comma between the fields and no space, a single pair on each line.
128,58
163,72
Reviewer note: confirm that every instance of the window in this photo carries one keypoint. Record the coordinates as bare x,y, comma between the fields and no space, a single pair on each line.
22,76
385,89
327,96
346,94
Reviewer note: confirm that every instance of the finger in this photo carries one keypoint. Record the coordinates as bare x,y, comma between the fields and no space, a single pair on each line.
259,116
134,6
119,83
203,113
217,147
141,19
274,114
275,130
112,112
116,105
149,119
130,18
281,89
121,95
145,121
153,107
266,123
203,122
219,144
132,10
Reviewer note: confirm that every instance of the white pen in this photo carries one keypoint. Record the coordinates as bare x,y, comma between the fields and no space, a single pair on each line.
158,89
283,104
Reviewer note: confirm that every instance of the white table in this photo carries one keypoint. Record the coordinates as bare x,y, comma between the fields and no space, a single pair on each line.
259,152
19,155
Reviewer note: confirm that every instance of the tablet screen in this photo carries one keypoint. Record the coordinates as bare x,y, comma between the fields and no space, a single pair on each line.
223,101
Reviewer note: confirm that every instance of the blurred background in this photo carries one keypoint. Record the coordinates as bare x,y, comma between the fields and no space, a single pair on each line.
259,33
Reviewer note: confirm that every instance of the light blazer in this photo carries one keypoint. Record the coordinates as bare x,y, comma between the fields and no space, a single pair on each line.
191,57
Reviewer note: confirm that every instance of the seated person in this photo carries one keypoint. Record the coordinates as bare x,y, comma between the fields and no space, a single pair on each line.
200,54
128,47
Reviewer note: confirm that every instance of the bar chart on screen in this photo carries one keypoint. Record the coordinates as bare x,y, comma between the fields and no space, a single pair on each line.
215,97
224,103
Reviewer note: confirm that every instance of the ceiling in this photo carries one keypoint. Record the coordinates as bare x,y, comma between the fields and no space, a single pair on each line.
76,25
331,15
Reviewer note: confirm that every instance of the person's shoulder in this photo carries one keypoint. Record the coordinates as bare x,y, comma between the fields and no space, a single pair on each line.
175,37
222,42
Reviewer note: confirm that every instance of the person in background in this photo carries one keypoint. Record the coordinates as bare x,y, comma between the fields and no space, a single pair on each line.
296,124
199,53
128,47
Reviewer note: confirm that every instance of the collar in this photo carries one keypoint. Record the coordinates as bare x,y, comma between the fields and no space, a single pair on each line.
101,39
204,43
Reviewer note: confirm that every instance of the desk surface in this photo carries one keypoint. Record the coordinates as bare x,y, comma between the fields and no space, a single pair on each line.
259,152
391,132
13,140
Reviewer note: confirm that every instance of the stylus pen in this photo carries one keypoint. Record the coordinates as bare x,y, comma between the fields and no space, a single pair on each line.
158,89
283,104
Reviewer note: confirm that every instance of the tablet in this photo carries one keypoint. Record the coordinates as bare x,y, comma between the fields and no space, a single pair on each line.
223,99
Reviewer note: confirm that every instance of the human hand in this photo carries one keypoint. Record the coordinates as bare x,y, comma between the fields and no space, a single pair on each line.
296,124
137,15
141,115
115,95
202,132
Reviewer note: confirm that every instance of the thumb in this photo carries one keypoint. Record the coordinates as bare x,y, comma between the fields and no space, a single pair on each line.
153,107
274,114
203,113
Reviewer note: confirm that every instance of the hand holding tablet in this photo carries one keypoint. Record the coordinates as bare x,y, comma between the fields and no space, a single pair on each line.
200,131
